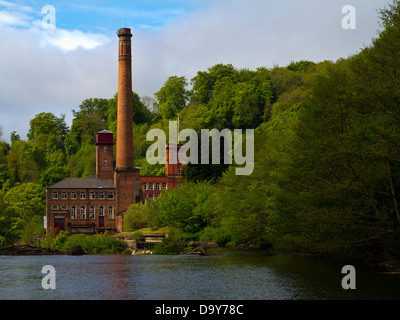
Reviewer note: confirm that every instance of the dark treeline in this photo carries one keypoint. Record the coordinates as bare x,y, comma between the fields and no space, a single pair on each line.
326,177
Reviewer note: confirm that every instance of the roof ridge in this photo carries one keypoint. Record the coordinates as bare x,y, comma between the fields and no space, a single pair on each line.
81,183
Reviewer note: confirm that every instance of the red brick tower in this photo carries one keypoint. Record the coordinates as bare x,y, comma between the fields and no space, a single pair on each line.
104,156
173,169
126,178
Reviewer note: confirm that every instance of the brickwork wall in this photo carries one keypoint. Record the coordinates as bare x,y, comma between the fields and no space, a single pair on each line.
104,162
61,208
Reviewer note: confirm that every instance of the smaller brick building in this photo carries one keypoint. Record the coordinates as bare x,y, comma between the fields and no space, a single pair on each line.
153,186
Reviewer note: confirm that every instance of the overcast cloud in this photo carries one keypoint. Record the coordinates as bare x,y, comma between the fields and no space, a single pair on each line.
55,70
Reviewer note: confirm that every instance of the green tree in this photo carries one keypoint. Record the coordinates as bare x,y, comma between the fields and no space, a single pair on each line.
184,208
203,83
92,106
140,216
45,124
14,136
172,97
24,202
83,163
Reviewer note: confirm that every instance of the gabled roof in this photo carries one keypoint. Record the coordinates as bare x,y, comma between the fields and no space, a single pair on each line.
104,131
81,183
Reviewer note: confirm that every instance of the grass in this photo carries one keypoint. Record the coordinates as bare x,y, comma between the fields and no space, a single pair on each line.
146,231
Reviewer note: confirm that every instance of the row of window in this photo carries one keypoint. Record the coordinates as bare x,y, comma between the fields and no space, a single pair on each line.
155,186
82,195
92,211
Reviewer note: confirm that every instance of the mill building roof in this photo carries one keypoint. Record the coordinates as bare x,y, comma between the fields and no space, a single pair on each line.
82,183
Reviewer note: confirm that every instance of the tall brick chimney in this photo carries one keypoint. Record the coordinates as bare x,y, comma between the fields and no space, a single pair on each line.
126,177
124,118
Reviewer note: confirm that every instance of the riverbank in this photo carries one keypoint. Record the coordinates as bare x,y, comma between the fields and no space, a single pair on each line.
197,248
28,250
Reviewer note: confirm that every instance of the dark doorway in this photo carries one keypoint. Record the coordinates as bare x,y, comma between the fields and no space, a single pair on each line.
59,223
101,222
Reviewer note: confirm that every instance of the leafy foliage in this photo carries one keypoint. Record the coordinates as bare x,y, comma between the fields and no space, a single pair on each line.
96,244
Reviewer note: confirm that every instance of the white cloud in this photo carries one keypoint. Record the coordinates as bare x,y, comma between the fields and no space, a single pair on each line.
36,78
71,40
14,19
15,6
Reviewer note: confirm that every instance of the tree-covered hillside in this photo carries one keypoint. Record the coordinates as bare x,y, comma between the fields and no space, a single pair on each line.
326,177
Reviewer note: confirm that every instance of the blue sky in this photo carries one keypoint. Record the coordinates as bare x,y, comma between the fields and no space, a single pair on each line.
106,16
111,15
55,70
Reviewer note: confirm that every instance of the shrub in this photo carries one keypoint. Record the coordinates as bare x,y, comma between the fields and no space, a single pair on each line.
140,216
32,230
96,244
60,240
171,245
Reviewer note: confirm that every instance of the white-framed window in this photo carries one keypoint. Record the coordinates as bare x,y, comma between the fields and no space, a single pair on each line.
101,195
64,195
110,212
83,195
64,207
54,207
83,212
73,212
105,162
179,170
110,195
164,186
105,149
151,186
101,211
157,186
54,195
73,195
151,196
91,212
144,186
92,195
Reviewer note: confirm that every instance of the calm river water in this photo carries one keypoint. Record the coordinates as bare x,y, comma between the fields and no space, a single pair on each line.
232,274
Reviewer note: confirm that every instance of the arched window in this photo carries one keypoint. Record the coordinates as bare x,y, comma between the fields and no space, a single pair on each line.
91,212
83,212
110,212
73,212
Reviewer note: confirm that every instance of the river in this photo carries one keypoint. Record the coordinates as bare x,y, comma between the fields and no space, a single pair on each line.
230,275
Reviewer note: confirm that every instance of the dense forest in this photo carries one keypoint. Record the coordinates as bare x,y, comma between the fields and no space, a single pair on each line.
326,177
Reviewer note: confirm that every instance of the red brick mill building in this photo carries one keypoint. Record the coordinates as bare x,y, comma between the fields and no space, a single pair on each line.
97,204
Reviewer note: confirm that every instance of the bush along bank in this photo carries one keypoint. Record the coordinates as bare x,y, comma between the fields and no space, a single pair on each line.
91,244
